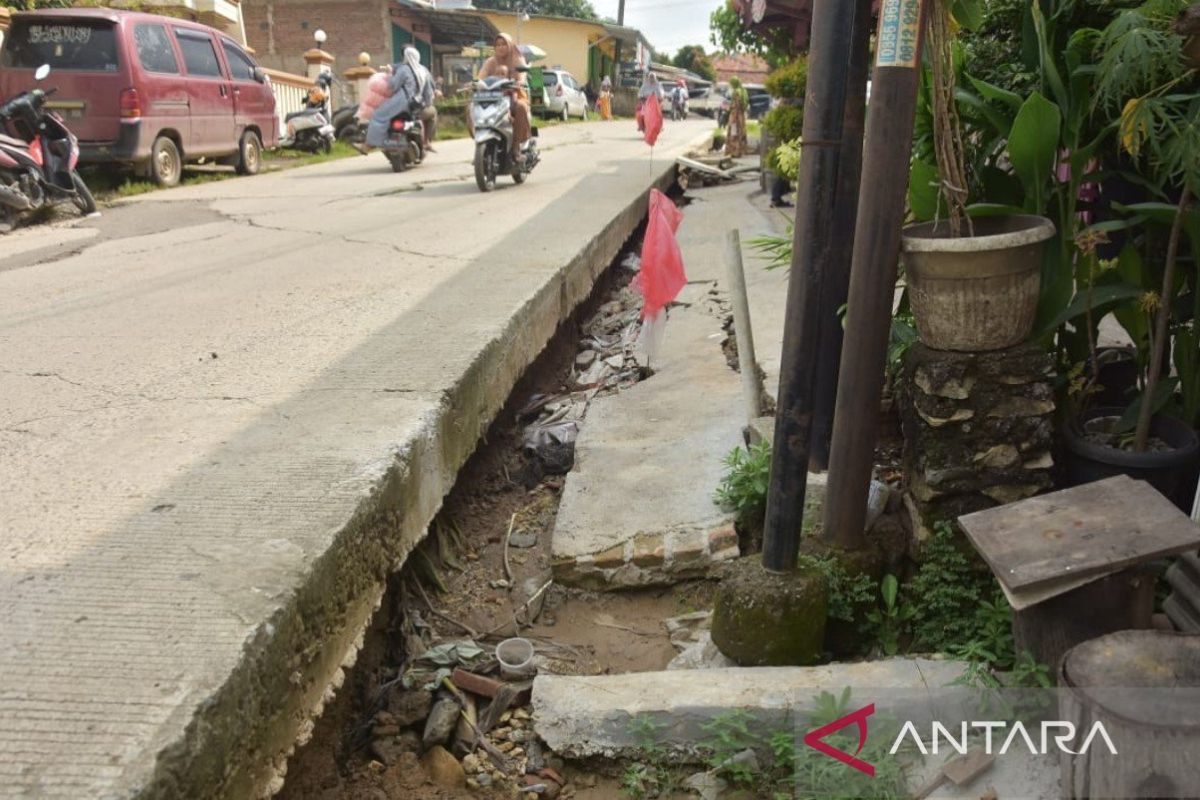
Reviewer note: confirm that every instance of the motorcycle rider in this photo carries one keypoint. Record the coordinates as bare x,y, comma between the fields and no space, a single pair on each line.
679,97
427,93
405,89
507,63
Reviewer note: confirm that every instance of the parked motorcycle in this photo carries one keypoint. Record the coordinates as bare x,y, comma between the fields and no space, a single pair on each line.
347,127
37,166
309,129
491,113
405,143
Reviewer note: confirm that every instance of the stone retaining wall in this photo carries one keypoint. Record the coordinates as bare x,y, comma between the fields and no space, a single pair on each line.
978,430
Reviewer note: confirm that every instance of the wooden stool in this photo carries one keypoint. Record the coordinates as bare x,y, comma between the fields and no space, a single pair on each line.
1073,564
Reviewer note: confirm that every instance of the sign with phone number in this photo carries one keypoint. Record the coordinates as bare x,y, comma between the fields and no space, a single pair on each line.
899,33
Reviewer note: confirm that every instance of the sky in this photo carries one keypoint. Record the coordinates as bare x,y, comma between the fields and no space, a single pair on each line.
667,24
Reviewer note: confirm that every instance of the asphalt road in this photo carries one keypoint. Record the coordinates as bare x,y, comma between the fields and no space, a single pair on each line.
205,388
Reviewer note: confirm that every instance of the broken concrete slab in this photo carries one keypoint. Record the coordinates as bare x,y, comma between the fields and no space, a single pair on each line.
638,506
582,717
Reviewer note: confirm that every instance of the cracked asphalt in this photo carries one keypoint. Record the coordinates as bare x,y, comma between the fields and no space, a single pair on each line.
204,386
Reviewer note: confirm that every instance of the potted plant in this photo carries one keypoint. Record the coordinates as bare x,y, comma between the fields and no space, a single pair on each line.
975,282
1142,71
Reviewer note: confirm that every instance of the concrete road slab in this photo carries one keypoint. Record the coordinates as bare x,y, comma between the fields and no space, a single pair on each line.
229,413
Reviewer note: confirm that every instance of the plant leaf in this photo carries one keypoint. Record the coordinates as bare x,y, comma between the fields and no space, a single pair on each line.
1100,296
1033,146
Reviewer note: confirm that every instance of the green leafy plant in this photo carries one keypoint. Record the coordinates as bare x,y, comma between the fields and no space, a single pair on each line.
946,592
890,620
848,594
743,488
818,777
651,775
730,735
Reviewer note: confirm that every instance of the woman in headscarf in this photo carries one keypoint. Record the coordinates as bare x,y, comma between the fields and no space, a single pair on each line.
650,87
506,63
604,104
405,88
426,93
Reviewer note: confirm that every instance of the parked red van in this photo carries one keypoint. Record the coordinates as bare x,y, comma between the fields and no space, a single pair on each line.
146,90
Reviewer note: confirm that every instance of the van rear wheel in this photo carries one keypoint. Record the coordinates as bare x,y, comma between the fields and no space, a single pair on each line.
166,165
249,160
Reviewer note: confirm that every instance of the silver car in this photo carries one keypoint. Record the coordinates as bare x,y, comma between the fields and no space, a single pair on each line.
564,95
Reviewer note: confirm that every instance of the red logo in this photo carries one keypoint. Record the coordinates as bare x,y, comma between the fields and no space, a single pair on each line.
815,739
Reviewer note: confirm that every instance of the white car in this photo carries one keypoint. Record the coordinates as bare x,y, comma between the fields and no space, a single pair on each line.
564,95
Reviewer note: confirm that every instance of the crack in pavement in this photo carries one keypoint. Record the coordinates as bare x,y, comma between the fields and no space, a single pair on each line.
253,223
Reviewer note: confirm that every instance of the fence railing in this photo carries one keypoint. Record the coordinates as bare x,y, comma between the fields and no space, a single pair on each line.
291,93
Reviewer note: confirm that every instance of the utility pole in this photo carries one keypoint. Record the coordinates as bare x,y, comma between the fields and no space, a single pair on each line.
873,275
837,285
814,255
617,52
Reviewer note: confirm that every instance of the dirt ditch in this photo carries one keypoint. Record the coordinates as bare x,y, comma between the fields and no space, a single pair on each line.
483,575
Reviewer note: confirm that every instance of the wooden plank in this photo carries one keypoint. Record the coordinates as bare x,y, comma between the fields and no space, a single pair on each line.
1088,530
699,167
1021,599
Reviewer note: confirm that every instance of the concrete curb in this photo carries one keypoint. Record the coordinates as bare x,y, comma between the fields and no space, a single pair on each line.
239,743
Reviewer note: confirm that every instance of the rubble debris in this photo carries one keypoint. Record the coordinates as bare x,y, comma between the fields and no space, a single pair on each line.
443,768
442,721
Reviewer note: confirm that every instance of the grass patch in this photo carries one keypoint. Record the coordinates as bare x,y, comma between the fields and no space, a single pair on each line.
110,184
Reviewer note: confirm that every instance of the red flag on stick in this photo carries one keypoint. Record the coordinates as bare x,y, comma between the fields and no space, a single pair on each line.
662,276
652,118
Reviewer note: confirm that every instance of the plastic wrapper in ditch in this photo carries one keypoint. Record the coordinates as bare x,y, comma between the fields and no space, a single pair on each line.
877,500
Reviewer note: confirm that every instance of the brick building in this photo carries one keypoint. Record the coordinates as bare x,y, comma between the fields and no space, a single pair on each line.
280,31
743,66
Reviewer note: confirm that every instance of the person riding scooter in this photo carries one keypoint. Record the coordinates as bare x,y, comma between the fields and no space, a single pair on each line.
509,63
405,95
679,100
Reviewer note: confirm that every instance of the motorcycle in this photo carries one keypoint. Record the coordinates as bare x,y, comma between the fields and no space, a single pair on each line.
38,166
405,143
491,113
679,106
309,129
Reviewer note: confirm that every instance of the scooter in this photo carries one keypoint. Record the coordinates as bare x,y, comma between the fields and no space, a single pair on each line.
405,142
37,167
491,113
309,129
679,107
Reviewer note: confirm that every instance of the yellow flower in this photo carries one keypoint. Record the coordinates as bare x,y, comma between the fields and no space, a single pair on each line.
1149,302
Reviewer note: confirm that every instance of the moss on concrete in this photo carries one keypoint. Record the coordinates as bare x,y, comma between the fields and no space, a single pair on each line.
767,619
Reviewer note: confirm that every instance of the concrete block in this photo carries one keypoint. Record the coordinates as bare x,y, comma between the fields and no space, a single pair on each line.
582,717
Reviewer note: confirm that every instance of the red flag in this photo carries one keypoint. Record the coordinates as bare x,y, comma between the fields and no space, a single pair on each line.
662,276
653,118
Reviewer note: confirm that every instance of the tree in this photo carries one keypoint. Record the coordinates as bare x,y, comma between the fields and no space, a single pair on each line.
576,9
692,57
731,35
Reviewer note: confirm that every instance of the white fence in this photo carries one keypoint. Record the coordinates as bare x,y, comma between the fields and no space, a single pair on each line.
291,92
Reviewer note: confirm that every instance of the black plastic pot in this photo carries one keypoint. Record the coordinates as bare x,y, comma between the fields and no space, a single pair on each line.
1173,472
1118,376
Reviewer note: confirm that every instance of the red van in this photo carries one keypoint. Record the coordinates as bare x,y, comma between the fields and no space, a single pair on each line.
146,90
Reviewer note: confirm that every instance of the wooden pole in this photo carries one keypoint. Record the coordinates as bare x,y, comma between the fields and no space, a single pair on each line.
747,362
837,285
873,273
813,253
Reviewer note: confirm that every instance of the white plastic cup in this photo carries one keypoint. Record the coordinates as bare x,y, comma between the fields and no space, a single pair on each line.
516,658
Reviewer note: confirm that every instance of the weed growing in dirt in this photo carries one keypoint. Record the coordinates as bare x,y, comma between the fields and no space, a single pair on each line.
743,489
887,623
819,777
651,776
848,594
